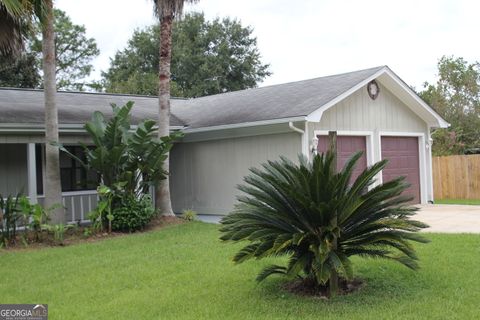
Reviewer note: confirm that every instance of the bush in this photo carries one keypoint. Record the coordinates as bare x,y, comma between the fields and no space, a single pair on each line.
189,215
10,214
316,217
132,214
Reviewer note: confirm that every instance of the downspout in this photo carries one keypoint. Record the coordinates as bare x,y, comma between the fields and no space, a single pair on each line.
291,126
304,138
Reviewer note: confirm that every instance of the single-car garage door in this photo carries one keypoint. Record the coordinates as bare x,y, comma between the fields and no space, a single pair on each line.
346,147
402,153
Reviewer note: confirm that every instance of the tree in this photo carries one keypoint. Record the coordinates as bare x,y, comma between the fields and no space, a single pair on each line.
167,11
74,52
20,72
53,189
208,57
16,23
456,96
301,210
20,15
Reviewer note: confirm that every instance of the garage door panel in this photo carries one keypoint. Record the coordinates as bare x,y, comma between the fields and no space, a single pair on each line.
402,153
347,146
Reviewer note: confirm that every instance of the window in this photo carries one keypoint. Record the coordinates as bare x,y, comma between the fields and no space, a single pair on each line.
74,176
39,149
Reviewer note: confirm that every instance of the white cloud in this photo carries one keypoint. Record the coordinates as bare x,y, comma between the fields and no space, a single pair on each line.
310,38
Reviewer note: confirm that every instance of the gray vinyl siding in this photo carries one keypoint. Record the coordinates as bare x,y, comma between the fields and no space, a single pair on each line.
204,174
13,169
359,112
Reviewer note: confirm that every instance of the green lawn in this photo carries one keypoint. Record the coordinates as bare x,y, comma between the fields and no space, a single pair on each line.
184,272
458,201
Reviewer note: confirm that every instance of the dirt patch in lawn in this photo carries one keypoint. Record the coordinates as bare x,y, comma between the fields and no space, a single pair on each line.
81,234
307,288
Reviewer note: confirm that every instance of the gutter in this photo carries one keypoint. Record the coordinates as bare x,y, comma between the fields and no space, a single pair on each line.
62,128
243,125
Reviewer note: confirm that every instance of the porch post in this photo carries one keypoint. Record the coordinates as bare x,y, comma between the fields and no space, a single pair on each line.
32,173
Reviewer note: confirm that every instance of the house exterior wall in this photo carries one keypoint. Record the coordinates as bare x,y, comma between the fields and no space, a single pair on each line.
13,169
386,115
204,174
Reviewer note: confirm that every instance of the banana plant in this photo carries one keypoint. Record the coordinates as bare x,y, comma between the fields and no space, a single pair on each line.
122,153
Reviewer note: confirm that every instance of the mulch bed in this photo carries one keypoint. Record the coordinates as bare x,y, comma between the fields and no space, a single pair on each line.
306,287
77,235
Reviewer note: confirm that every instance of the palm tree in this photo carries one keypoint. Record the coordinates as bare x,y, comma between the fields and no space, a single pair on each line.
16,22
16,19
167,11
302,210
53,189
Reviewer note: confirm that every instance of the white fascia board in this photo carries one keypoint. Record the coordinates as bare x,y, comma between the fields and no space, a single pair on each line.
40,128
243,125
420,104
316,115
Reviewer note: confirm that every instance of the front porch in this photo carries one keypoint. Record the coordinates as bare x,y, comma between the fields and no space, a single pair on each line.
22,171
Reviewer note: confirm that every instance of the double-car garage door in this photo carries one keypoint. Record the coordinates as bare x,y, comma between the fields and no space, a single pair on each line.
402,153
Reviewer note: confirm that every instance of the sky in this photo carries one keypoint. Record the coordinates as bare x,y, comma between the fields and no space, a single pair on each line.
305,39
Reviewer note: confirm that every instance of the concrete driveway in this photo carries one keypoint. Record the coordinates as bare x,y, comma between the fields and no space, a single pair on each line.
440,218
450,218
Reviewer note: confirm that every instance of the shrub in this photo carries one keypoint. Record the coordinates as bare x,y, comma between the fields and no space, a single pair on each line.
10,214
189,215
34,216
129,161
316,217
58,231
133,214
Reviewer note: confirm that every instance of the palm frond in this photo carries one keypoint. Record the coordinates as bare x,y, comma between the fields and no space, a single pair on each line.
173,7
301,209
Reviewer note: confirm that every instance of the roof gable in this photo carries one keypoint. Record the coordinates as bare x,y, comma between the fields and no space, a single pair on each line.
395,85
281,101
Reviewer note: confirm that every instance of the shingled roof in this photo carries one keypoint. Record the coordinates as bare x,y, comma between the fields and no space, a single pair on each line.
26,106
294,99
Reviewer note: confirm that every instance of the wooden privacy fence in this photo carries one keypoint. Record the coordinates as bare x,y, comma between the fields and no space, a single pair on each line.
456,177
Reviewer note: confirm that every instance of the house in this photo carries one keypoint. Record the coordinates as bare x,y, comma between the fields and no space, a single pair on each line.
372,110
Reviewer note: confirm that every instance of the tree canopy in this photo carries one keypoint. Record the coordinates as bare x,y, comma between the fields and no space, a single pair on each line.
456,96
74,52
208,57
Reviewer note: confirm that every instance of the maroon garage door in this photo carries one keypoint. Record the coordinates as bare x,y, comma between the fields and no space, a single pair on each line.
346,147
402,153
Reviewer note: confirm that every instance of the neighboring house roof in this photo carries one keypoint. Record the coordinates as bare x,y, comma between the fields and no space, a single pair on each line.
301,100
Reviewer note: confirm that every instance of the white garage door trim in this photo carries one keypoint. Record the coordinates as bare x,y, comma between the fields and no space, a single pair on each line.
368,138
421,154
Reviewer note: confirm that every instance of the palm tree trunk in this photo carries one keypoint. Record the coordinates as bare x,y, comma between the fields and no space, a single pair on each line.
162,195
53,191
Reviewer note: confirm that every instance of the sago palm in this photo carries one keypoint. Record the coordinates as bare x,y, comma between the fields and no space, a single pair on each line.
319,218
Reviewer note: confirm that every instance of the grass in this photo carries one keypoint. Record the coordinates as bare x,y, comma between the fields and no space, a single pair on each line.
184,272
458,201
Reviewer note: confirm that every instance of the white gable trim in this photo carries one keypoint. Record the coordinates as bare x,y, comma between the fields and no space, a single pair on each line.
399,89
316,115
